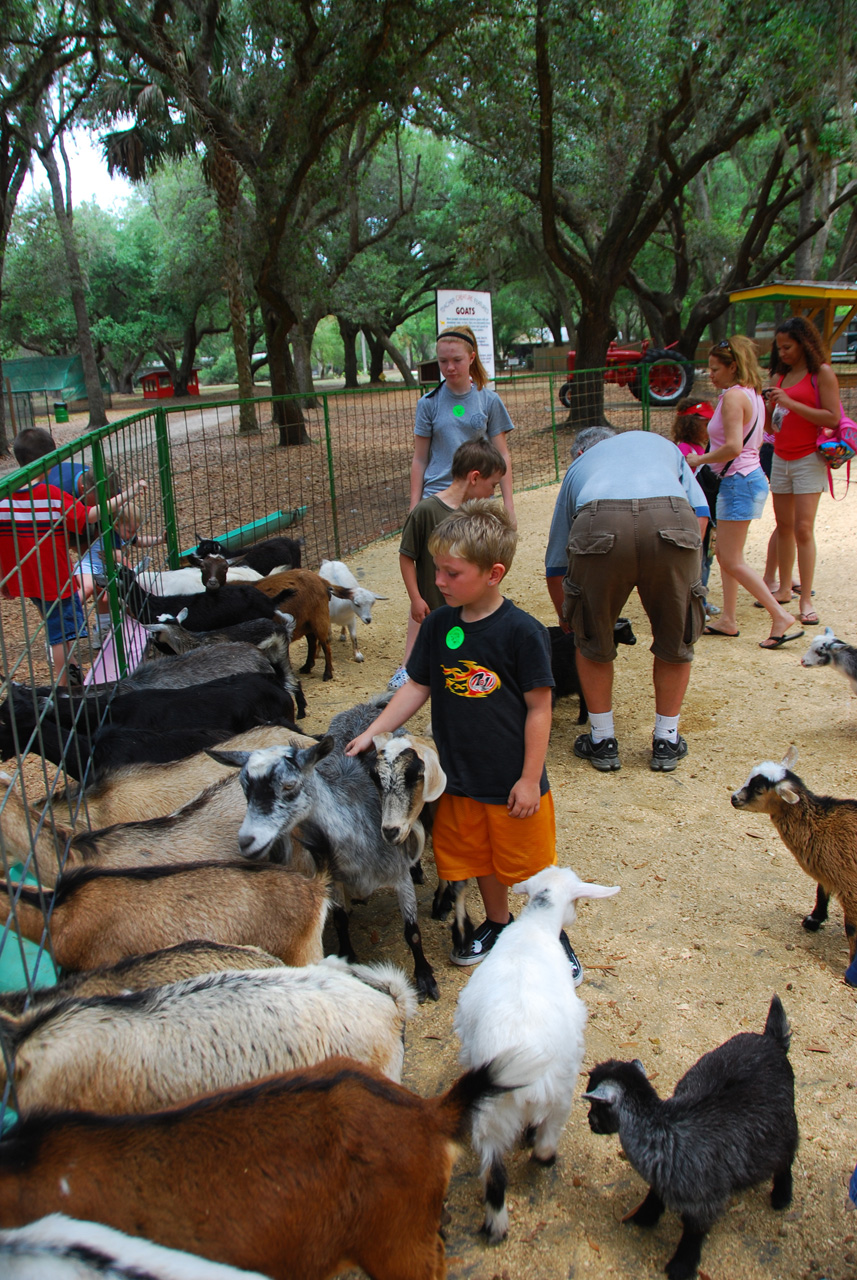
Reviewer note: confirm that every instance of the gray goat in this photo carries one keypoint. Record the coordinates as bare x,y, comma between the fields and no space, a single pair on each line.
729,1124
334,803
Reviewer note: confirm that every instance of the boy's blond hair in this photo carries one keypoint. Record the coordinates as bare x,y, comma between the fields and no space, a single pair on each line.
479,532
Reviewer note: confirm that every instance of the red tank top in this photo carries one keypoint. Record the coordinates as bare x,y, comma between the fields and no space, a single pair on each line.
796,437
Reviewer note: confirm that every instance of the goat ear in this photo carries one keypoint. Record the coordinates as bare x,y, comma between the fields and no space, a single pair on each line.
790,758
380,597
380,740
638,1064
308,757
195,560
587,890
182,614
236,759
786,792
604,1092
435,778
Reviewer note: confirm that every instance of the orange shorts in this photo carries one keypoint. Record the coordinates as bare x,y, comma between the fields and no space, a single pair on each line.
474,839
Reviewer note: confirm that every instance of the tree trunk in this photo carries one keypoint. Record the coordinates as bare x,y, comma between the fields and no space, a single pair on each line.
63,212
301,344
181,376
286,414
594,333
348,332
226,182
376,356
398,359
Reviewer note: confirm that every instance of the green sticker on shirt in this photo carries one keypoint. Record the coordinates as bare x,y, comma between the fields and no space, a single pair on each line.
458,410
455,638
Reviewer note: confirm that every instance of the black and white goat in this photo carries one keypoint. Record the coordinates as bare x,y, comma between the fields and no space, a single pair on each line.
826,650
729,1125
330,803
564,662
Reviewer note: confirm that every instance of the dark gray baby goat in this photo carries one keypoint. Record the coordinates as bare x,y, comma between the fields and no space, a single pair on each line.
729,1124
564,663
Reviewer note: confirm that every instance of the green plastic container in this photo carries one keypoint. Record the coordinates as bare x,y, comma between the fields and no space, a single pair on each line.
60,411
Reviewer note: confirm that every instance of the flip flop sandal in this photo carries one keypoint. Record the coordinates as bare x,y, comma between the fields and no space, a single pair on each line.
777,642
808,619
715,631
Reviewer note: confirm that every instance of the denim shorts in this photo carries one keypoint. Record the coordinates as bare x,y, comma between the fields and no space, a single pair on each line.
63,618
742,497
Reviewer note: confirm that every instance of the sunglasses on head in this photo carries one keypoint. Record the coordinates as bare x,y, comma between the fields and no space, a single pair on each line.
724,345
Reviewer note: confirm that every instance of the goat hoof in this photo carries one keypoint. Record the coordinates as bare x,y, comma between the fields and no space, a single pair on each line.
545,1161
812,923
305,669
427,988
492,1234
358,657
328,675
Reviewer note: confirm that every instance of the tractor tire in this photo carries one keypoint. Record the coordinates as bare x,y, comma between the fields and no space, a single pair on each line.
670,378
564,393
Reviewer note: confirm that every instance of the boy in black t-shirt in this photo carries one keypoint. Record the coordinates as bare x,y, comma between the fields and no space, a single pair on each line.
485,664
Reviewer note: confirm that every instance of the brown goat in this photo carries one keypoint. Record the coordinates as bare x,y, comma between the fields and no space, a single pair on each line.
100,917
157,969
308,603
299,1177
821,832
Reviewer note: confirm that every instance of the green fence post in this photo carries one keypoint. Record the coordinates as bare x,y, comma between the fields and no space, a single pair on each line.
107,519
644,398
331,480
165,474
553,427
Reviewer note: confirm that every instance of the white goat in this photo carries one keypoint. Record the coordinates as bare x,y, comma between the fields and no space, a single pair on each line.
187,581
145,1050
522,998
348,601
66,1249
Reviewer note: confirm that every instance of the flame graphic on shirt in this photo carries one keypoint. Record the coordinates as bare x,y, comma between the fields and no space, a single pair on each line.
470,680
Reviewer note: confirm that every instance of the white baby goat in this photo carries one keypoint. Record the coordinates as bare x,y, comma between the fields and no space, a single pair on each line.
522,998
348,601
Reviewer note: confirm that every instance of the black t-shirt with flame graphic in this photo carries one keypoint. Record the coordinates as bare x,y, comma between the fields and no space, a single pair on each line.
478,673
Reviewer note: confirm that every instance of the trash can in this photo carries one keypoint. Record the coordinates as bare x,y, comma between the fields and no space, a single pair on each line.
60,411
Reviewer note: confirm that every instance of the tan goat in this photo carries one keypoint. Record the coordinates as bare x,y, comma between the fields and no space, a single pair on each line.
100,917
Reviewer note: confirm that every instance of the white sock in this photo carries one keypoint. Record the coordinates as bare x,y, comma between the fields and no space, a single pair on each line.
666,727
601,725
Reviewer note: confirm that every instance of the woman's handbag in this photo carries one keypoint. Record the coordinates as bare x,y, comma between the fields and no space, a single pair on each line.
709,481
839,448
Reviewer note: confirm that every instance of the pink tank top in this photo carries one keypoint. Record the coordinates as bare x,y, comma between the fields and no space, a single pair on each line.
748,458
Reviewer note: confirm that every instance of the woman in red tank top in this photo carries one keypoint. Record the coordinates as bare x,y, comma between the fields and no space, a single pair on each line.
806,387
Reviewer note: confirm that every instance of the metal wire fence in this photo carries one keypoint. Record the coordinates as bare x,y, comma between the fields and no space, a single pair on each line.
183,473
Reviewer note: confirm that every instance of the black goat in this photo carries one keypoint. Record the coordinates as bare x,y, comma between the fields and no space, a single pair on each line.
729,1124
184,719
273,553
564,662
206,610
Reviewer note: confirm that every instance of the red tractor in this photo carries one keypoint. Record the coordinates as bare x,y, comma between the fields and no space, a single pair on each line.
670,373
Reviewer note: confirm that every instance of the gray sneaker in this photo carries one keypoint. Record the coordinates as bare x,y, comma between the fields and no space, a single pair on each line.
603,755
666,754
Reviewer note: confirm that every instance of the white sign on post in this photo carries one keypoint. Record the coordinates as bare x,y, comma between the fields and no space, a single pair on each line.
456,307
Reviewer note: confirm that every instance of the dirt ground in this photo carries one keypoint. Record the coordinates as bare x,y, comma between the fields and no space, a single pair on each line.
706,928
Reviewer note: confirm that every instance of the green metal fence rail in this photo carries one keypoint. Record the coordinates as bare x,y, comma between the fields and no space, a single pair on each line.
345,487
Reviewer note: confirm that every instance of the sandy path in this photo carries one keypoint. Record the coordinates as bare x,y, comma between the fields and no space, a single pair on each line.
706,927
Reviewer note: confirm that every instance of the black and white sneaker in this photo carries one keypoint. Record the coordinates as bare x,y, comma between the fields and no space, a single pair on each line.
576,966
480,944
603,755
666,754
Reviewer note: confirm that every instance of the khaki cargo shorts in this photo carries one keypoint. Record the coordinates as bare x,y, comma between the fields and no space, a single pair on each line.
652,544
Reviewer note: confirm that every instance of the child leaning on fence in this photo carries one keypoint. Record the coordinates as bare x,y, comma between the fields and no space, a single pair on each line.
35,523
125,533
486,666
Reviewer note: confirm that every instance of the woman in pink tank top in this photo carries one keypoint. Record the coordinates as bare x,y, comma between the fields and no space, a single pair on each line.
735,435
805,386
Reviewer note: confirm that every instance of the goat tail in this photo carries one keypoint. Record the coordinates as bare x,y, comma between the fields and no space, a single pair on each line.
275,648
394,983
514,1069
777,1024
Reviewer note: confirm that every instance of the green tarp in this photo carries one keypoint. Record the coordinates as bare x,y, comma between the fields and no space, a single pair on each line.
60,376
